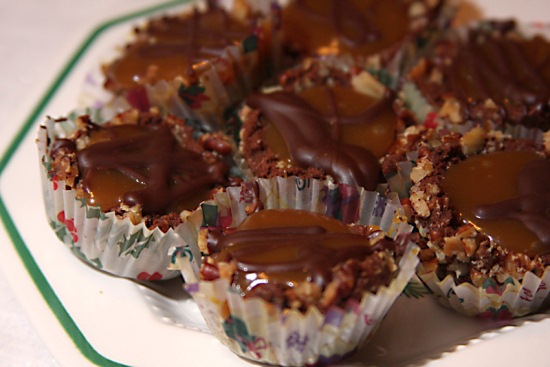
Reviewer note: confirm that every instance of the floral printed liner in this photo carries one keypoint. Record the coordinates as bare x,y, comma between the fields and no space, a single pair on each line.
254,329
209,102
103,240
261,331
500,302
222,82
231,207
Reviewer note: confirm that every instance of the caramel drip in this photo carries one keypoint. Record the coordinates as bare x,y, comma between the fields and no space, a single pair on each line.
505,196
149,160
305,249
501,69
531,206
345,26
311,144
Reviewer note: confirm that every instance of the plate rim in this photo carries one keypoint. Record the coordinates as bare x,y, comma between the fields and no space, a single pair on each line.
35,273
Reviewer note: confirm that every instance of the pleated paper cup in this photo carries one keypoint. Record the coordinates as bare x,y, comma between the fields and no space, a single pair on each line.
514,298
513,286
220,83
104,240
263,332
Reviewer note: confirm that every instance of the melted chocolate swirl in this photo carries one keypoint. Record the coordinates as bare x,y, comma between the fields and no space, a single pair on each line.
308,252
311,144
500,69
155,158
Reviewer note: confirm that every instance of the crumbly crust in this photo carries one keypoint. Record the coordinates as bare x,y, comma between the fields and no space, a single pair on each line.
65,168
431,76
349,280
449,245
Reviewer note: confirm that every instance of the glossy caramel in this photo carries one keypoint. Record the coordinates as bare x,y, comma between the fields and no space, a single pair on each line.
145,165
289,246
480,182
351,117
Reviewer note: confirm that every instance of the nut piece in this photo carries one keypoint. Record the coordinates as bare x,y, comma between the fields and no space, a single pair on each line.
423,169
546,140
473,140
365,83
451,110
419,202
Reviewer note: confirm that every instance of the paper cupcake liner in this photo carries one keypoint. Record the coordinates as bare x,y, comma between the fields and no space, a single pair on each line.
221,82
257,330
336,200
260,331
208,102
515,298
512,299
103,240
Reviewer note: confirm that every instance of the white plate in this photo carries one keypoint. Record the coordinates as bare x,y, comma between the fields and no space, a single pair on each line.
88,317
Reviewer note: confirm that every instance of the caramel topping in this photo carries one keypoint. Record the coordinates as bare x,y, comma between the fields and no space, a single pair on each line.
502,69
289,246
173,47
354,118
331,128
146,166
358,27
505,195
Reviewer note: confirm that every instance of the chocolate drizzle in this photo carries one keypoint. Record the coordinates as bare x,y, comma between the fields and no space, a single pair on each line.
173,46
294,253
500,68
352,25
357,27
532,206
198,42
152,156
63,144
311,144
